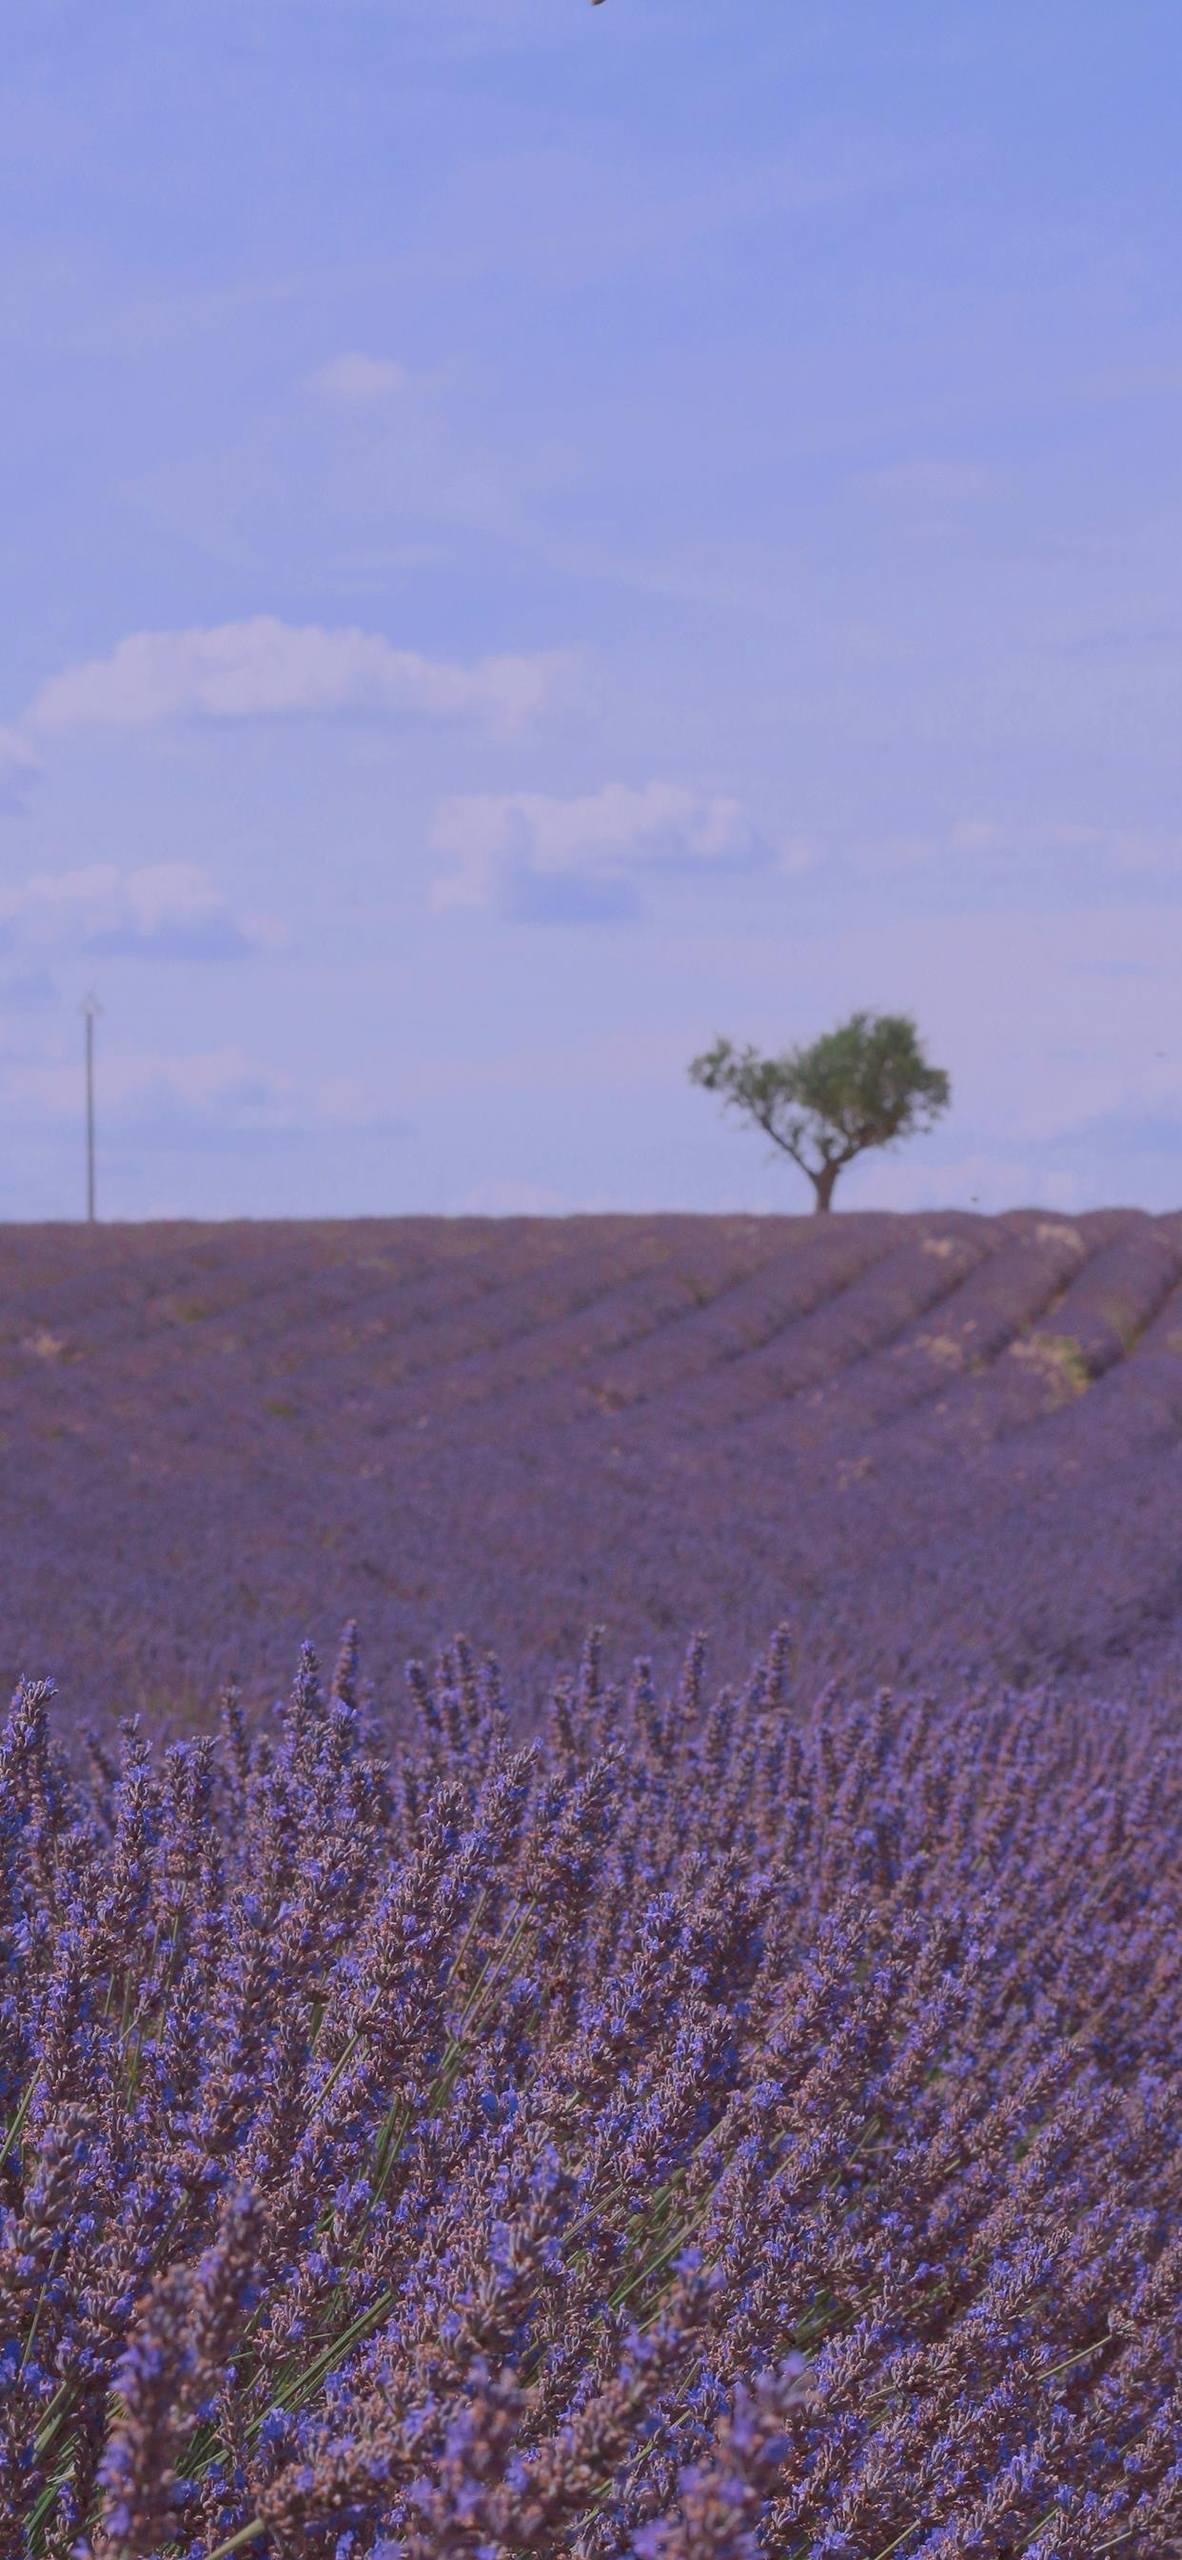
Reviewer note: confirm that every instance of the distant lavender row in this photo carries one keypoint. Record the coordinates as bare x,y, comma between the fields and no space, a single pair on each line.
946,1444
711,2129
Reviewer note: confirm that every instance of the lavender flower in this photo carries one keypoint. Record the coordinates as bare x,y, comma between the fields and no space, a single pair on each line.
710,2129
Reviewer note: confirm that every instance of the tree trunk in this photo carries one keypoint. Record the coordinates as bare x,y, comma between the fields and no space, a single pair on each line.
822,1183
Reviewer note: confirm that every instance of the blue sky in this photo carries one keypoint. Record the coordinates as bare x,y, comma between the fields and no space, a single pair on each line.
534,535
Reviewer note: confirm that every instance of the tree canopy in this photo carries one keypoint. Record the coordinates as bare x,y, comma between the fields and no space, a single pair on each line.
861,1086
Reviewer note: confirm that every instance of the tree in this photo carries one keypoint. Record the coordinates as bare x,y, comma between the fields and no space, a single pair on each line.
860,1086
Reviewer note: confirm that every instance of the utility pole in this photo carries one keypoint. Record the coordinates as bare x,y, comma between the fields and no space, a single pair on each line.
91,1007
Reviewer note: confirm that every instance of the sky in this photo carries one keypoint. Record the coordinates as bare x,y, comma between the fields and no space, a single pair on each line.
536,535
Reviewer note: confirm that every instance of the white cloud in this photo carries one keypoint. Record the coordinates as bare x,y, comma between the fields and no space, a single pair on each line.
359,382
538,854
223,1089
162,910
265,668
19,769
217,1080
1123,848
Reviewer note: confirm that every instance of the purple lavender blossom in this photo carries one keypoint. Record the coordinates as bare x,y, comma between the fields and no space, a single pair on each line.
707,2130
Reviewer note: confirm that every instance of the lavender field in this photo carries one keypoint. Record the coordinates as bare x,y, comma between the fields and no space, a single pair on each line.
939,1445
606,2095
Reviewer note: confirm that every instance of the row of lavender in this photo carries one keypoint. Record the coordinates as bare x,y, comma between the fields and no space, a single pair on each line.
942,1442
711,2128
